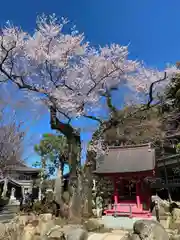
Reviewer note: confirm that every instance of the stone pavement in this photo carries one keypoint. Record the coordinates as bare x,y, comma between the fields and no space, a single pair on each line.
115,235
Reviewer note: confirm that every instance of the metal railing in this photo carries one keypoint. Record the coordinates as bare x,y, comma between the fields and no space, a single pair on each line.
118,213
172,179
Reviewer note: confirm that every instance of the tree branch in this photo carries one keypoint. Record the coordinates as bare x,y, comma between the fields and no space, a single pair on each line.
93,118
151,89
64,128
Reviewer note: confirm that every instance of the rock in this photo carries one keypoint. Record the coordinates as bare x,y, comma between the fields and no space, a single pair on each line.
164,207
130,236
134,236
175,226
150,229
44,226
25,219
46,217
2,230
175,220
34,225
176,214
76,234
92,225
67,233
55,233
29,232
166,221
9,231
175,237
172,232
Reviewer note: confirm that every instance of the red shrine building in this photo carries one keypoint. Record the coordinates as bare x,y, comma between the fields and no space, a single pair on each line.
129,168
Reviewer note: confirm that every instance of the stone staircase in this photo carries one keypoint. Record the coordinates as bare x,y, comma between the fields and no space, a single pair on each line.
8,212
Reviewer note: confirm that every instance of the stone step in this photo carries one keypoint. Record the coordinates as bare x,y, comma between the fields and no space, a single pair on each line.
107,236
7,213
6,218
10,209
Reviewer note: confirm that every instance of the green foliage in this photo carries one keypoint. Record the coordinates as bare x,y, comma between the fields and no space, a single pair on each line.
40,208
53,150
136,126
51,145
178,148
173,92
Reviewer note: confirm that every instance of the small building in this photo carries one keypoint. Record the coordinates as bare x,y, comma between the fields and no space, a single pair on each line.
22,178
128,168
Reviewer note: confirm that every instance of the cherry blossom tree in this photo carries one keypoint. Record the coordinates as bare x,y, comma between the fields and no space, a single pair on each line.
11,143
71,77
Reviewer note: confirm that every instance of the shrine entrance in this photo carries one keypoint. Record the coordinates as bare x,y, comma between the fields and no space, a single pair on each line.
127,167
130,197
126,189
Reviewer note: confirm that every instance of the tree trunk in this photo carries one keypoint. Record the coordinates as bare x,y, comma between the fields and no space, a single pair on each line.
75,178
87,193
5,187
58,185
75,182
40,190
42,177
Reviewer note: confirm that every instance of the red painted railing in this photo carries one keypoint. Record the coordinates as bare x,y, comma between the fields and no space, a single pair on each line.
130,210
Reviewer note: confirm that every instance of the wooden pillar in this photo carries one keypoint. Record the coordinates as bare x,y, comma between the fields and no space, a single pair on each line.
40,194
122,186
138,199
5,187
115,191
23,195
148,197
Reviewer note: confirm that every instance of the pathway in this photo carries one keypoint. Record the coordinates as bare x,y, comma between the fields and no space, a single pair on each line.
115,235
7,213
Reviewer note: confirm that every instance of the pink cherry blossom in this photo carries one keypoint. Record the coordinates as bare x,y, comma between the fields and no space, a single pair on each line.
66,71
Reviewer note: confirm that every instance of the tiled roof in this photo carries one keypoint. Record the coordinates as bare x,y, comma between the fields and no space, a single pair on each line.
10,180
127,159
22,167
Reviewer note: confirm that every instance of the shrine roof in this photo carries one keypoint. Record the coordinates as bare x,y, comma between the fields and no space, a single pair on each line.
10,180
127,159
22,167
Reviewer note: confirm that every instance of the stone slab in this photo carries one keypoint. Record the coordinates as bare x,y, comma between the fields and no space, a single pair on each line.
119,222
106,236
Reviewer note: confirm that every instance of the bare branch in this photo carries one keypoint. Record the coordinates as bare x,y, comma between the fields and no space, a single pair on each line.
93,118
64,128
151,89
11,143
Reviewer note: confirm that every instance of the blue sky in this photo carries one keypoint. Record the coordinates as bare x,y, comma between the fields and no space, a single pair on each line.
151,27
